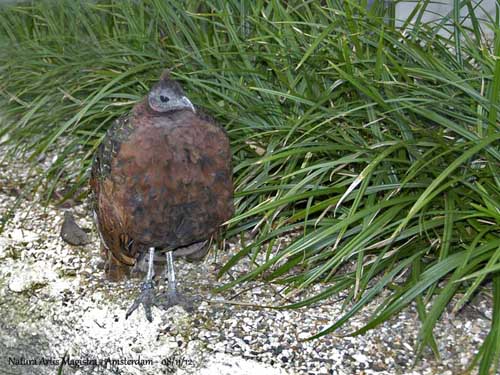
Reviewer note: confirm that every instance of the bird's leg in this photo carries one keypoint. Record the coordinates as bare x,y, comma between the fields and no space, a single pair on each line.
172,297
172,285
147,297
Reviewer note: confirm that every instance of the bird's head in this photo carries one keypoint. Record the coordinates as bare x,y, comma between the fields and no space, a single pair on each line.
167,96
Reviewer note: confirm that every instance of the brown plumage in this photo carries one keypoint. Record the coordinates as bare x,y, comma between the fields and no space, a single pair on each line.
161,179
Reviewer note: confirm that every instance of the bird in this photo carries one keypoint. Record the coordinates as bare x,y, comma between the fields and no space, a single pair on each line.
161,186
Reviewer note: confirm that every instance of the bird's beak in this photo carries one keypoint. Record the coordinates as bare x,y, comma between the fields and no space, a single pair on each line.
188,103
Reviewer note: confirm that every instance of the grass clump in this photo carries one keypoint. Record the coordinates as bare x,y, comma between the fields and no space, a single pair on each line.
375,142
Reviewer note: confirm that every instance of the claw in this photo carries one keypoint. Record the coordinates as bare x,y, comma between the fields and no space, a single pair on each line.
172,298
146,298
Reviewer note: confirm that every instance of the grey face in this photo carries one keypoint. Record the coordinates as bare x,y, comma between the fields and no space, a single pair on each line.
167,96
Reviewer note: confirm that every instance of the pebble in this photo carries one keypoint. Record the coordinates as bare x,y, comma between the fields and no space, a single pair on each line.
360,358
23,236
303,335
30,276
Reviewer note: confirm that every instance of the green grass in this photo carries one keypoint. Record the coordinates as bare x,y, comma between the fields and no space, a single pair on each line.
377,146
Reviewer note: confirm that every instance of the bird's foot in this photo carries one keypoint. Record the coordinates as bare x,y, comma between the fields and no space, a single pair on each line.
172,298
145,298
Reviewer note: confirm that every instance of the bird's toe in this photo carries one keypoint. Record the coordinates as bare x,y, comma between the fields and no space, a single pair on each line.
173,298
145,298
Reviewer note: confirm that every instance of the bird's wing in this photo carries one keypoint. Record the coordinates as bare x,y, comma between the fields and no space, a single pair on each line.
110,145
118,243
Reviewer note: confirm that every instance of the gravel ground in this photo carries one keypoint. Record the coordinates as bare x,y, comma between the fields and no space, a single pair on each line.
55,301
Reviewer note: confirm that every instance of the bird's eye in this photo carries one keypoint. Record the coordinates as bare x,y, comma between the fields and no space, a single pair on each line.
164,99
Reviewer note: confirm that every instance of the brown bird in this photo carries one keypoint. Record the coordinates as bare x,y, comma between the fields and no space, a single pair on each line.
162,183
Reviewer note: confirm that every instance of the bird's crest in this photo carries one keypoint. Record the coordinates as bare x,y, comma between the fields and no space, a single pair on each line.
165,75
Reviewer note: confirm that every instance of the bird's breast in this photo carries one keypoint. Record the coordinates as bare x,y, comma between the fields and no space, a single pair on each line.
173,176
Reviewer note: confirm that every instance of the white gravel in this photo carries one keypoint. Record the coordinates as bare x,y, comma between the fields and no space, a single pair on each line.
55,300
